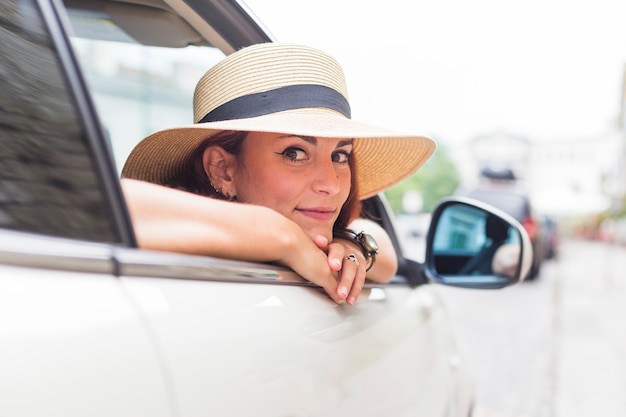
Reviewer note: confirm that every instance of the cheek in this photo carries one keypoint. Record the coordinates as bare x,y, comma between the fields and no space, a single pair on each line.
281,190
265,187
346,184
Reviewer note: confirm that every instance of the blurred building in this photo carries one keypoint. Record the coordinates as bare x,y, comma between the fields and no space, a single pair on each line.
564,178
620,191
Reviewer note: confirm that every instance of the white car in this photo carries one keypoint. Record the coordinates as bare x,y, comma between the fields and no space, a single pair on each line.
90,325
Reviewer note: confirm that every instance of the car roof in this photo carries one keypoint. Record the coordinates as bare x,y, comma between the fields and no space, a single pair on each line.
225,24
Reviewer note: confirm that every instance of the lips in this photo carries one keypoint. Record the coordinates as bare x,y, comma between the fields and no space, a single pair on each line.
323,214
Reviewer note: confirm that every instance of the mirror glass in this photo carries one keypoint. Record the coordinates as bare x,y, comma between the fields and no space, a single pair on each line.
471,246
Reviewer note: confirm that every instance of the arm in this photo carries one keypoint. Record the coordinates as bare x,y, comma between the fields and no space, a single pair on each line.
173,220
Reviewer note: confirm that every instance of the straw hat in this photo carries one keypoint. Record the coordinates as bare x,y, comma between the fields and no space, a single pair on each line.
281,88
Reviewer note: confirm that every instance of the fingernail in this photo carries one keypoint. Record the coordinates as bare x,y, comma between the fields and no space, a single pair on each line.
351,300
336,263
342,291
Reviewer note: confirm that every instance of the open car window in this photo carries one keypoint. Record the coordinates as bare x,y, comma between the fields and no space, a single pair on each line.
140,89
139,83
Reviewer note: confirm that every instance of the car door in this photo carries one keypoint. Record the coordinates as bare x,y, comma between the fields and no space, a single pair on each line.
71,341
257,341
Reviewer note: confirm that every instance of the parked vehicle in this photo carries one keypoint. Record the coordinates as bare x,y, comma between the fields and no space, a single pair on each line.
93,326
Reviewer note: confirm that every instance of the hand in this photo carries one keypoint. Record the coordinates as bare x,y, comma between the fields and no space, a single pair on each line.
351,273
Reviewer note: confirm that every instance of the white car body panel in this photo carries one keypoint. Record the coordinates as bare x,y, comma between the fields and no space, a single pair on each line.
227,339
267,350
71,345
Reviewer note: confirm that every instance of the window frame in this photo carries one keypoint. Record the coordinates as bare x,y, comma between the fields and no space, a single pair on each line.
57,24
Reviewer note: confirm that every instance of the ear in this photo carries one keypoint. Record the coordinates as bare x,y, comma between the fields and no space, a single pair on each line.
220,167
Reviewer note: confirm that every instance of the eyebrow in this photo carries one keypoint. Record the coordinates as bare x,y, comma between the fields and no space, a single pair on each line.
313,140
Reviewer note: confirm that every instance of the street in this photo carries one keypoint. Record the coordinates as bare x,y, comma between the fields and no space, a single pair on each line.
553,347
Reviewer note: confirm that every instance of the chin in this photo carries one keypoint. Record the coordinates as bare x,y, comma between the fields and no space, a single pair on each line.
327,232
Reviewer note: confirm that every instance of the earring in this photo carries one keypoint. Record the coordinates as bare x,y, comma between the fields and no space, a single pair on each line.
213,186
221,194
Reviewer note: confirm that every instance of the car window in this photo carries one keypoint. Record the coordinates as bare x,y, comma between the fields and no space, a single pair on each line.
51,168
138,88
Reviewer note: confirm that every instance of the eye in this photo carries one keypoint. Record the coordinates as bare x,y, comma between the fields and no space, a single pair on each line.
341,157
294,154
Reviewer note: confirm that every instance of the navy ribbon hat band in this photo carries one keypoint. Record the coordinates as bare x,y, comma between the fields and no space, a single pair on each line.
280,99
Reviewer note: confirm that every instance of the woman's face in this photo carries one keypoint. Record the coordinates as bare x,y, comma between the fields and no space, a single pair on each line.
306,179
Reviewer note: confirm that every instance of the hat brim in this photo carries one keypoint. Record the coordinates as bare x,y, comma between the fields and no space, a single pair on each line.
383,157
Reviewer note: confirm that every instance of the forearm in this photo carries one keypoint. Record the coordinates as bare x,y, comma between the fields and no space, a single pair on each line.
172,220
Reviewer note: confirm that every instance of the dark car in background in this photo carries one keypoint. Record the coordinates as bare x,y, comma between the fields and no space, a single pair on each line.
500,188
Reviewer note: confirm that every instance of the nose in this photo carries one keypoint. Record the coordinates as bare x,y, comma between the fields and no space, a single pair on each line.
327,178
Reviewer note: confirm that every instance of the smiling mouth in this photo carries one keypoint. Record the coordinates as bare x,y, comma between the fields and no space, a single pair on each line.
317,214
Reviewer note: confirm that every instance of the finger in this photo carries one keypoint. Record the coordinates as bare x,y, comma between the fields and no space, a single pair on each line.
320,241
349,271
357,285
328,280
332,293
336,253
312,265
329,285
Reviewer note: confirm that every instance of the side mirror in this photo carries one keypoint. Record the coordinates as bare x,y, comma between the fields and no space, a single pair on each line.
474,245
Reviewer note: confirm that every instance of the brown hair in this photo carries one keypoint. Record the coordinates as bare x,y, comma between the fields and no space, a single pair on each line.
195,179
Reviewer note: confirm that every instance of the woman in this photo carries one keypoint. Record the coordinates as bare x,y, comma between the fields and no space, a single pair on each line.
274,146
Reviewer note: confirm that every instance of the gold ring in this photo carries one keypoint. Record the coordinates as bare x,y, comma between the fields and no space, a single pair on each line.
352,258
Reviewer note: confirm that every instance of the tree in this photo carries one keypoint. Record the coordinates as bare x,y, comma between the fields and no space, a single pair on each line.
438,178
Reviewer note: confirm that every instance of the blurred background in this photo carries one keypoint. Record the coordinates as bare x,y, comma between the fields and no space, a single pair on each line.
537,87
526,101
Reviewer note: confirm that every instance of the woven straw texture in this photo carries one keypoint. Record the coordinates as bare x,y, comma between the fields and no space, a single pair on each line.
383,157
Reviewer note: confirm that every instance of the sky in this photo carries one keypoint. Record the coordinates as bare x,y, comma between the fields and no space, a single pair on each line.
454,69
